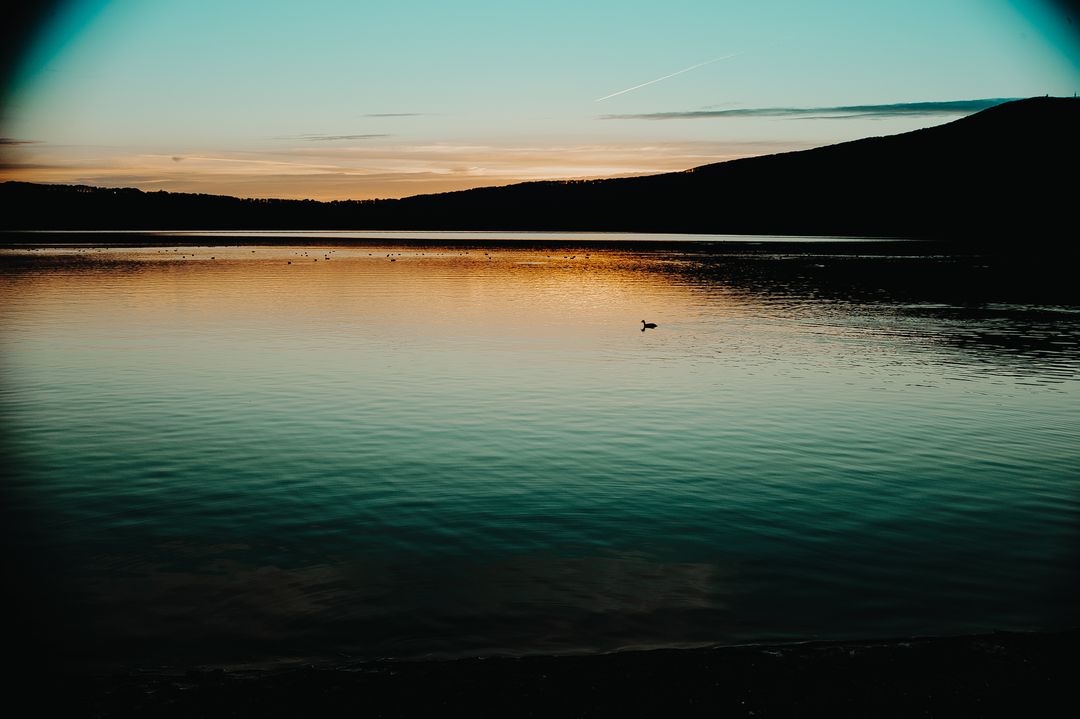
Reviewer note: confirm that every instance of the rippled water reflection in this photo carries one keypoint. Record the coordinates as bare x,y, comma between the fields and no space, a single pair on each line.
254,453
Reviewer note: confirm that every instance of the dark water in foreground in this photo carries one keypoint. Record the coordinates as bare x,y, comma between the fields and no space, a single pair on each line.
221,457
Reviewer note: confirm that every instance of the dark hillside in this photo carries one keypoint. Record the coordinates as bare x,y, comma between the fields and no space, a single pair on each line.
1008,172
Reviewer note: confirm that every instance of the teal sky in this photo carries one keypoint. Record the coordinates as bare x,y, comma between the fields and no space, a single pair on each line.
335,99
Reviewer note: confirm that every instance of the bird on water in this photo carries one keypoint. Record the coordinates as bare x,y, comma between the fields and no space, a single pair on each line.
647,325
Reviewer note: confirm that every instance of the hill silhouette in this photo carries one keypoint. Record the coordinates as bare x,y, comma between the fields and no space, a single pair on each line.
1005,172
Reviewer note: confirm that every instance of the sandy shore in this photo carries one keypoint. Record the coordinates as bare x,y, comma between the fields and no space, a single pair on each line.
1001,674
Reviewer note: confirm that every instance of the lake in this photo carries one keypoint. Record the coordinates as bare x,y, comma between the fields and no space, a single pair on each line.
334,452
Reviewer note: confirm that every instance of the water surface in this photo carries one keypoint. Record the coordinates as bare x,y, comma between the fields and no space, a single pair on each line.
257,453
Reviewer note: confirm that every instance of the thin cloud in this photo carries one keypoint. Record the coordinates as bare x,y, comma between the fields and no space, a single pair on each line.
838,112
394,114
327,138
22,166
13,141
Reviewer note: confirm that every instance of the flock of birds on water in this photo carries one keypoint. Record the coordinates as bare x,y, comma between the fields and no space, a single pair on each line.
644,325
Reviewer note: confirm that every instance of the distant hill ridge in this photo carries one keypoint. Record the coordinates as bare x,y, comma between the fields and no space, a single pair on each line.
1007,172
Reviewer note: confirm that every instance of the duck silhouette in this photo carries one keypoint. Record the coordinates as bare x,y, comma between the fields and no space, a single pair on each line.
647,325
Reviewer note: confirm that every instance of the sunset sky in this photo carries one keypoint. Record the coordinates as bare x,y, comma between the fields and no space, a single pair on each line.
333,99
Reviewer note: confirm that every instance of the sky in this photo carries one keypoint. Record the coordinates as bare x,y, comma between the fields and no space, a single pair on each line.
337,99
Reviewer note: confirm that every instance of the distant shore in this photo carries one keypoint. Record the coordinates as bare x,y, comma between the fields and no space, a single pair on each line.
1000,674
575,240
704,244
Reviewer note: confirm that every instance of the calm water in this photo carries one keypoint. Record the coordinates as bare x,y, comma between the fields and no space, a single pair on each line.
221,457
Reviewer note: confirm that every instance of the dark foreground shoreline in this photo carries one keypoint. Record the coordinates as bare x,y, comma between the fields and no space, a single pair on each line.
1000,674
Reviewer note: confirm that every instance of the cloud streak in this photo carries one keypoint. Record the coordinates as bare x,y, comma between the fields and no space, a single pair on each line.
837,112
328,138
665,77
6,167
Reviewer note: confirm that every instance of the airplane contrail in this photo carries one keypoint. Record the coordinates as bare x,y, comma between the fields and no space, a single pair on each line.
665,77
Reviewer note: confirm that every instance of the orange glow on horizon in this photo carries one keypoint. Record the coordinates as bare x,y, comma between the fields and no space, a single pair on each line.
358,173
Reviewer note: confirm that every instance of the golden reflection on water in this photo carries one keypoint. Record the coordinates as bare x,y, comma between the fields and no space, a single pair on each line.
536,294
